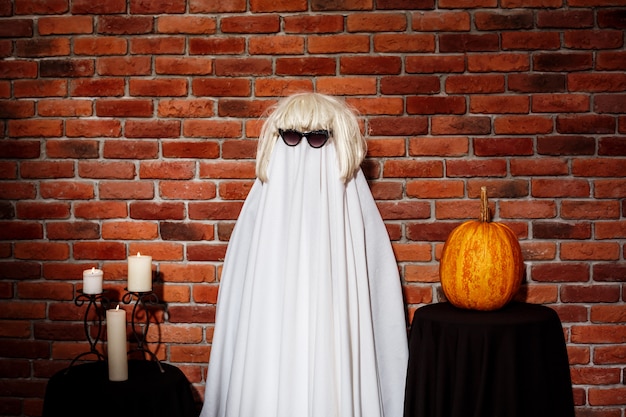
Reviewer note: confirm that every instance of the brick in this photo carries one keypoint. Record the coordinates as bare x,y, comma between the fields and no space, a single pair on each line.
609,272
313,66
93,128
64,108
524,40
21,230
129,230
612,18
610,103
537,83
221,87
503,20
177,190
276,45
285,86
460,125
610,230
386,147
560,103
89,7
562,62
124,108
100,210
243,67
238,149
227,170
316,24
17,28
65,25
594,376
35,128
67,190
566,145
370,65
429,232
128,149
186,25
397,126
126,190
183,66
167,170
503,146
440,21
477,84
157,45
596,82
494,104
189,149
404,210
18,69
45,251
562,272
593,39
185,108
498,188
608,314
100,45
195,273
47,169
40,7
573,18
186,231
585,124
42,47
234,190
125,25
589,294
390,43
99,250
562,187
412,169
320,5
103,87
426,189
157,6
250,24
476,168
610,188
206,252
106,170
74,230
49,291
152,128
125,66
376,22
17,191
205,294
243,108
527,209
408,84
589,209
12,109
216,46
8,170
429,64
40,88
227,210
522,125
435,105
342,43
612,146
157,211
42,210
377,106
457,42
539,167
532,3
500,62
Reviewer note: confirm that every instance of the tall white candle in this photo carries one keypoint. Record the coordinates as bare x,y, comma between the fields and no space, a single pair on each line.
92,281
116,344
140,273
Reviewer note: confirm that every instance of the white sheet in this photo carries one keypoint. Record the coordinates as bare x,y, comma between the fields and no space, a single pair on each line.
310,317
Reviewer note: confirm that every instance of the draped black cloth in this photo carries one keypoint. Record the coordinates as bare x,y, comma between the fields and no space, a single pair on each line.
85,390
507,363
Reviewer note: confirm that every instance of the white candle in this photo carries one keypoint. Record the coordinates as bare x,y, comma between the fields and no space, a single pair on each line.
92,281
116,344
140,273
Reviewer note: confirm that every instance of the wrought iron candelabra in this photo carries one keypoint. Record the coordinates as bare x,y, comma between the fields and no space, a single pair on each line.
145,300
92,301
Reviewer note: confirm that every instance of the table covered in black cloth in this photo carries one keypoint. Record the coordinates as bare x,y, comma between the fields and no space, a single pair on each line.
506,363
85,390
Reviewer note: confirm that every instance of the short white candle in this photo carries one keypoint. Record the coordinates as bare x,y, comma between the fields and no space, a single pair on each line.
140,273
116,344
92,281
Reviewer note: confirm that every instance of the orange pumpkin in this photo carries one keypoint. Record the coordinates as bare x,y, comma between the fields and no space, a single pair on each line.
481,265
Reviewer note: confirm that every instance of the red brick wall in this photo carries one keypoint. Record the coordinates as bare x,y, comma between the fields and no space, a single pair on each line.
130,125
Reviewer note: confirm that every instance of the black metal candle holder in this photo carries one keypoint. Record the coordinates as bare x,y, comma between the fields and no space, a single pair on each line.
140,331
92,300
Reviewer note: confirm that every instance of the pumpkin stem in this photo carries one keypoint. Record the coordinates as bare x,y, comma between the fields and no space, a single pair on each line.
485,216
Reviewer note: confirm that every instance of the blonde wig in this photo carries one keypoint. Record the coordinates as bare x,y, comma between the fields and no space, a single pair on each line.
306,112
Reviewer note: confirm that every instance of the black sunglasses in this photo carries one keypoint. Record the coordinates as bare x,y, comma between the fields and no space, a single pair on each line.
316,138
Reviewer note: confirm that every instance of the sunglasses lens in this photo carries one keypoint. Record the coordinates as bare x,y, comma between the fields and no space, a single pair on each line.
317,140
291,137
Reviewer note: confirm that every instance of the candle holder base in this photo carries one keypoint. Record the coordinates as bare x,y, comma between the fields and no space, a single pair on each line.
92,303
140,330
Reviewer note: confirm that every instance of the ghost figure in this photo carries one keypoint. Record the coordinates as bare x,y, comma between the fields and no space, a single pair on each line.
310,318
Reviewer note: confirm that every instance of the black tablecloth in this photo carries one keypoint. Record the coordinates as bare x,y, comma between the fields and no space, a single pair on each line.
85,390
506,363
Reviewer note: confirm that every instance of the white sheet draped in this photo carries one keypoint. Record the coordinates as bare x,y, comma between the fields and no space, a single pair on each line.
310,318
